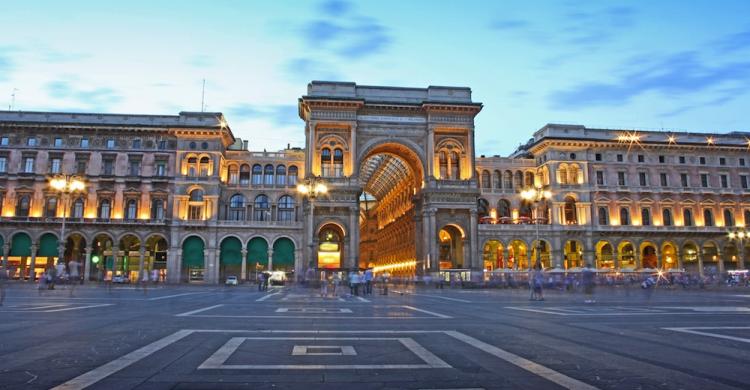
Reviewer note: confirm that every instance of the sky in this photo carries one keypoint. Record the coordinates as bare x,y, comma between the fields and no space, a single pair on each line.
673,65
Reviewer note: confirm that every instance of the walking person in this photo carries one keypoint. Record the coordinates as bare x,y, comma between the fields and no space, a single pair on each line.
368,281
73,271
324,286
3,279
353,283
538,282
335,281
60,273
587,278
261,280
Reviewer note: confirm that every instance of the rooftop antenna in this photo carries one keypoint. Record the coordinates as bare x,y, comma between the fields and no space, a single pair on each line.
12,99
203,96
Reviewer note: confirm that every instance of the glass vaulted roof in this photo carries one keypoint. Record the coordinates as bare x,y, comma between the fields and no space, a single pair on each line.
382,172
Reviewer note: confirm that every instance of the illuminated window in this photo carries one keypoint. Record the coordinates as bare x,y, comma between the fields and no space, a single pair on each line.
338,162
261,208
666,217
624,216
104,209
325,162
645,217
234,174
24,204
157,209
131,209
50,208
237,207
286,208
687,217
728,218
603,216
77,211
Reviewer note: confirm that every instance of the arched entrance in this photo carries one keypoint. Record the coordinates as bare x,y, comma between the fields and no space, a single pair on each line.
573,254
518,255
626,255
102,257
47,253
193,263
544,257
451,255
710,258
283,255
648,255
156,258
690,260
330,247
669,256
730,257
492,255
75,250
20,256
127,260
230,258
604,255
257,256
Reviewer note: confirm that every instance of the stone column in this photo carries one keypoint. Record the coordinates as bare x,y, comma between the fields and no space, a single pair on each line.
700,261
589,257
354,236
434,256
243,271
720,262
475,261
6,251
678,256
87,265
741,255
174,273
212,266
270,258
299,266
32,266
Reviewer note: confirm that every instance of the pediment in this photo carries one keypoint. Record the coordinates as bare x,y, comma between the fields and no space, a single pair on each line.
688,201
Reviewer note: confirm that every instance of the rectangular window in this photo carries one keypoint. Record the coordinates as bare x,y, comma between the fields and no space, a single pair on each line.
662,159
109,168
641,158
3,168
663,179
742,162
704,180
31,141
55,165
702,160
599,178
722,161
161,168
724,181
136,144
598,157
84,142
684,180
621,178
643,178
81,167
619,158
743,183
162,145
4,141
135,168
110,144
28,166
682,159
58,142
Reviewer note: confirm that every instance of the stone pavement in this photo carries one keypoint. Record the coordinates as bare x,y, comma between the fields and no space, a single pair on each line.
188,337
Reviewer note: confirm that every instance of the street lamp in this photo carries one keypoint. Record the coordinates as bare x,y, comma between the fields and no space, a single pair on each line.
65,185
312,187
740,236
536,195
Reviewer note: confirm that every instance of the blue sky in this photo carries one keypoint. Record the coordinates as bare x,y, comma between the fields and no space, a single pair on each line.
622,64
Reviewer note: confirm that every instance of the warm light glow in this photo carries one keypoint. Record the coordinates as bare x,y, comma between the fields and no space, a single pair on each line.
321,188
387,267
302,189
672,139
741,235
58,184
710,140
9,212
493,214
90,214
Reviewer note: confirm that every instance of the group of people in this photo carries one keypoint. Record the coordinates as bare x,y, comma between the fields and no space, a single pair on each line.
536,283
357,280
61,273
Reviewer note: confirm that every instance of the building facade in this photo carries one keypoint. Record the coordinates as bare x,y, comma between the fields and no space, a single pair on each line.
179,198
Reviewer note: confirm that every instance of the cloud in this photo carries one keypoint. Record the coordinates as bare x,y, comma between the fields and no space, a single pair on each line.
733,42
335,7
200,61
282,115
99,98
7,65
681,73
509,24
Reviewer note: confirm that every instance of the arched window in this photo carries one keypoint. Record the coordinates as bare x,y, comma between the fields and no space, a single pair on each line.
77,211
268,174
508,179
293,172
708,217
192,168
497,178
325,162
131,209
195,205
105,209
503,209
529,179
24,204
728,218
687,217
443,160
261,210
286,208
645,217
666,217
747,218
562,174
518,179
482,208
573,173
157,209
486,183
245,174
234,174
236,207
624,216
524,211
338,162
257,175
571,217
205,166
455,166
280,175
50,207
603,216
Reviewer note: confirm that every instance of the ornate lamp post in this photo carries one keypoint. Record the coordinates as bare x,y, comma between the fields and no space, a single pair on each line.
312,187
536,195
65,185
740,236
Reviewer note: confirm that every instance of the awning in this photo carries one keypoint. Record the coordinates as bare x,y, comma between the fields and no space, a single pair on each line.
192,252
257,251
20,245
231,251
48,246
283,252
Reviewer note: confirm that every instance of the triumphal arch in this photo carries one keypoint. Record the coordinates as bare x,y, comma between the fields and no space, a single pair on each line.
399,167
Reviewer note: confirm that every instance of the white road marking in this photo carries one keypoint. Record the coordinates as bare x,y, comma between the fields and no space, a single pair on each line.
712,308
426,312
590,311
315,317
315,310
363,299
217,360
174,296
78,307
696,330
190,313
263,298
89,378
534,368
335,350
433,296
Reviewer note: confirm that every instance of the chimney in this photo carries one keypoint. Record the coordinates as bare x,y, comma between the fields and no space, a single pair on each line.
244,144
287,146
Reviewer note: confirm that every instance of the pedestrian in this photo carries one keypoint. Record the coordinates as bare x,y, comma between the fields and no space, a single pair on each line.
155,276
587,278
3,278
538,282
60,274
532,290
261,280
368,281
324,286
144,281
73,271
353,283
335,281
384,279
